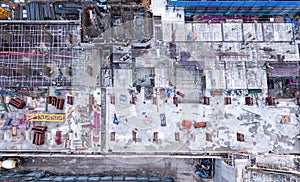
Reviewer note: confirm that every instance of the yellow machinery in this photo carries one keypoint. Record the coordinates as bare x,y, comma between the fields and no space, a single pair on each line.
46,117
146,3
5,14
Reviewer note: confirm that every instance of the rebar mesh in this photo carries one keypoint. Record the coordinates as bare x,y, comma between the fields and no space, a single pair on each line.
39,53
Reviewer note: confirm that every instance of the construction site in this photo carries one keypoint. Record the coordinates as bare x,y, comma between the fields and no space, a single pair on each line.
218,88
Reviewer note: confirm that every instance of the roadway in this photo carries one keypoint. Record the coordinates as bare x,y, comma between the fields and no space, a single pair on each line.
182,169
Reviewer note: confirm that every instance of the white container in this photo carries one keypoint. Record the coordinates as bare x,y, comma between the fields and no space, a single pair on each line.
7,99
7,136
28,135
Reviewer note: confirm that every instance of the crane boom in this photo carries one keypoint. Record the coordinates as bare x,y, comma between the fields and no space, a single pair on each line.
46,117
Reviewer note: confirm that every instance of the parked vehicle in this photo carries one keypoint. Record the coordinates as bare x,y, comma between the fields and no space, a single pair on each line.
10,163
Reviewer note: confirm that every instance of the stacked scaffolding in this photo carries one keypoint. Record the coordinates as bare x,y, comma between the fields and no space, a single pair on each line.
270,177
39,53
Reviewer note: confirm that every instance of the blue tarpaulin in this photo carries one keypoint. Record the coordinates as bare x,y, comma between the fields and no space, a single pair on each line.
234,3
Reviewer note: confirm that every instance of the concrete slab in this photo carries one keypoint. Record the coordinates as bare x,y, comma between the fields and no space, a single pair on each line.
208,32
232,32
231,63
251,31
123,78
215,79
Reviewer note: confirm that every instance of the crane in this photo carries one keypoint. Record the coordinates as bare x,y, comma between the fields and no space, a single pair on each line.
5,13
46,117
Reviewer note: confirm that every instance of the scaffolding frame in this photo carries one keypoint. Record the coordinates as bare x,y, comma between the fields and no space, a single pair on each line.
286,85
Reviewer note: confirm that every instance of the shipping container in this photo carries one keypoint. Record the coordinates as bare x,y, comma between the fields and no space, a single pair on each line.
155,137
249,101
206,100
270,101
227,100
70,100
240,137
58,139
133,99
38,138
134,135
187,124
60,104
180,94
17,103
200,125
208,137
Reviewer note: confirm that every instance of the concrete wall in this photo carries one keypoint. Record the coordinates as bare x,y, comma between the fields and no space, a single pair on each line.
223,172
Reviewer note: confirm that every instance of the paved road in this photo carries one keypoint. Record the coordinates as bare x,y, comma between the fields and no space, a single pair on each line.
180,169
